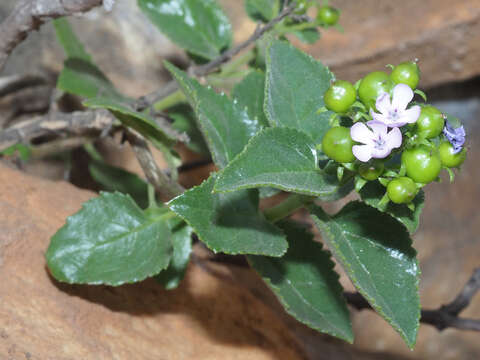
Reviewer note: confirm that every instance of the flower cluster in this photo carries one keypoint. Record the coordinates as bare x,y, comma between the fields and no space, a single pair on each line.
376,119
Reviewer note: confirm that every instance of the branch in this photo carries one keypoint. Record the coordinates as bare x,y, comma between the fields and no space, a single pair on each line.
446,316
165,186
13,83
29,15
202,70
76,123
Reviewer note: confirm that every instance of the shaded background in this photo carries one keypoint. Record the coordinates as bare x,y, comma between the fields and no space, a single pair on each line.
443,35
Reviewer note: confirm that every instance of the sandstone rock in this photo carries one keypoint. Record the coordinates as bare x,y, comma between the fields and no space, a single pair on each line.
205,318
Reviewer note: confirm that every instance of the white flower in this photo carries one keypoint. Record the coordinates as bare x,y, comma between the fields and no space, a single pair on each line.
378,143
395,113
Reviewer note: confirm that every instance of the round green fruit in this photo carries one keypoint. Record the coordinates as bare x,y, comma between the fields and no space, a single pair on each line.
402,190
328,15
448,157
340,96
337,144
406,73
430,123
371,171
372,86
422,164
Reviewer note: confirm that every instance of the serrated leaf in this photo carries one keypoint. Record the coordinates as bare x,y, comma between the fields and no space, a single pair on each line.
80,76
139,121
262,10
372,192
184,121
110,241
224,124
182,248
285,159
250,94
294,92
306,284
113,178
308,36
229,223
376,252
200,27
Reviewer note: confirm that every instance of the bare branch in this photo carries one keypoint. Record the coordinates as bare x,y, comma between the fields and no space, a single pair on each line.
76,123
446,316
13,83
29,15
165,186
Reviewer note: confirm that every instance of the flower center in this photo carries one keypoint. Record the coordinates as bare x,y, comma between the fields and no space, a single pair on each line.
379,143
393,114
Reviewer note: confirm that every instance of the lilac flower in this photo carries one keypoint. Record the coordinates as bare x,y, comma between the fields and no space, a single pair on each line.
395,113
456,137
378,143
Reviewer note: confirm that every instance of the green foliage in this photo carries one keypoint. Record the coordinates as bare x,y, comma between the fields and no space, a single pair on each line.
225,125
24,152
262,10
285,159
113,178
80,76
229,223
200,27
294,92
375,250
141,122
308,36
373,192
110,241
305,283
250,94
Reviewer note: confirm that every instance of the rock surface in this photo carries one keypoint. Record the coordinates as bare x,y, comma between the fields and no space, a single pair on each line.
206,318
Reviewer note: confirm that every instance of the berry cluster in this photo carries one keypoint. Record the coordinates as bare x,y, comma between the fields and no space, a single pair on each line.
378,133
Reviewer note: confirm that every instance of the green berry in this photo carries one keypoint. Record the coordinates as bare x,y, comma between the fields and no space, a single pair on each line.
340,96
372,86
430,123
406,73
337,144
328,15
448,157
422,164
371,171
402,190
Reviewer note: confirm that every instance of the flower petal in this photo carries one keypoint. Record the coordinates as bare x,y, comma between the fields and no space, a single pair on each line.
380,153
378,127
402,95
359,132
394,138
379,117
362,152
383,103
411,115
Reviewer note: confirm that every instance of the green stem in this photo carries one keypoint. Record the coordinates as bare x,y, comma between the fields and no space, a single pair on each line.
174,98
287,207
232,66
152,201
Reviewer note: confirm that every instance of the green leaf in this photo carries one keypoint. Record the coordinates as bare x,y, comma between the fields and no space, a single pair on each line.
24,151
372,192
182,248
110,241
69,41
113,178
285,159
80,76
199,27
262,10
376,252
306,284
141,122
184,121
308,36
294,92
229,223
224,124
250,94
